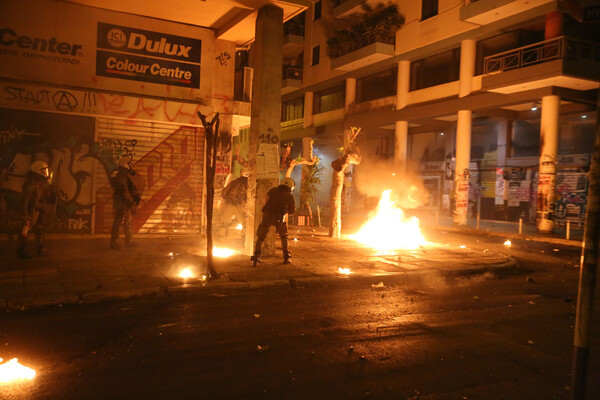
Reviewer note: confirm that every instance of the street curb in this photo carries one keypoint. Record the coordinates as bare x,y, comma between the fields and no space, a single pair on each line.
508,235
223,284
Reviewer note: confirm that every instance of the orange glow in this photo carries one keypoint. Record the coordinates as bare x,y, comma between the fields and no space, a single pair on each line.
186,273
388,229
239,227
12,370
222,252
344,271
507,243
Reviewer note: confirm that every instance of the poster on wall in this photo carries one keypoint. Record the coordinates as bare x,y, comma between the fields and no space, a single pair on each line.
66,144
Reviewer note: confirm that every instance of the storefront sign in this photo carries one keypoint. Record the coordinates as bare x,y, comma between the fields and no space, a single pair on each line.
135,54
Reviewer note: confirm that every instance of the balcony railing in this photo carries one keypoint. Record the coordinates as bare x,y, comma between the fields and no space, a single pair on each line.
548,50
292,73
293,29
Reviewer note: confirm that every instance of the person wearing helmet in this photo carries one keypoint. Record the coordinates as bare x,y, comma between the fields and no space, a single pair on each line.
125,201
234,202
280,201
35,192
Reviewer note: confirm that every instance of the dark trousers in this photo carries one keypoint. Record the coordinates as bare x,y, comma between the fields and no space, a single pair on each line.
123,215
269,220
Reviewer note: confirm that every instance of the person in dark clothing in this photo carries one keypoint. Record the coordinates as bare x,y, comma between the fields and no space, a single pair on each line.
35,193
279,202
234,202
125,201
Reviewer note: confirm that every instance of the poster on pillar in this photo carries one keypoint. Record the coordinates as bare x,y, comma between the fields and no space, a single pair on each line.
267,161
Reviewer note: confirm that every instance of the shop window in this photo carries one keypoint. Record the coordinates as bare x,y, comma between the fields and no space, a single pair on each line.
316,54
329,99
435,70
376,86
484,141
292,109
428,147
429,8
577,133
525,139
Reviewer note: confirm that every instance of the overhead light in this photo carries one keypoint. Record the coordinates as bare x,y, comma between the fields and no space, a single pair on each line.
584,116
441,133
534,106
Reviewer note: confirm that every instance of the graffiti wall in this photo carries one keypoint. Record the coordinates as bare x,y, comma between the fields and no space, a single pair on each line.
168,160
66,143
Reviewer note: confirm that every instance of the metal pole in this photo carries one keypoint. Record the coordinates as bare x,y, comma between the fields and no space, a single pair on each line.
587,274
520,226
478,221
568,229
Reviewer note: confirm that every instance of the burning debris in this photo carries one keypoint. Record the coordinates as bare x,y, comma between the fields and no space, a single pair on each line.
222,252
389,229
344,271
186,273
12,371
239,227
508,243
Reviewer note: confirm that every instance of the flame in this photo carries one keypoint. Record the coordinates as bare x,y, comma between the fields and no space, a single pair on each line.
344,271
12,370
222,252
239,227
186,273
508,243
389,229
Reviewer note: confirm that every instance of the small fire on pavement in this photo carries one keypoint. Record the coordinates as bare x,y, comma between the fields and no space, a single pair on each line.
507,243
389,229
344,271
222,252
186,273
12,370
239,227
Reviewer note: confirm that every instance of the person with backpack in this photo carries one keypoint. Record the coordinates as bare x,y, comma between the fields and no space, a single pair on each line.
280,201
125,201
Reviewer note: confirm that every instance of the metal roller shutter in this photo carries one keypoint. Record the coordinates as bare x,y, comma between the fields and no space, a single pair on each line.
169,161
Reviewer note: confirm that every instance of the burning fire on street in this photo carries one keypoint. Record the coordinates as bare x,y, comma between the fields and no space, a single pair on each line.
222,252
12,370
389,229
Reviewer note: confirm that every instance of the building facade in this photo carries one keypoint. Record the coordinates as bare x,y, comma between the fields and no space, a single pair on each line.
492,104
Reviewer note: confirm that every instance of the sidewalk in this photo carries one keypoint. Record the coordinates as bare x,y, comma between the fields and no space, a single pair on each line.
81,269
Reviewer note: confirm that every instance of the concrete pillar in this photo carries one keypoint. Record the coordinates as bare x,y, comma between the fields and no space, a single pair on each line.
546,199
309,119
461,171
350,94
463,134
467,67
553,26
400,146
263,149
401,130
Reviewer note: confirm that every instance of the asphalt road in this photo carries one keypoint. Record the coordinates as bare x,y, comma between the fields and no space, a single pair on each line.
487,337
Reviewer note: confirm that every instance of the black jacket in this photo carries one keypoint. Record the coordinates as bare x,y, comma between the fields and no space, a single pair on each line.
280,201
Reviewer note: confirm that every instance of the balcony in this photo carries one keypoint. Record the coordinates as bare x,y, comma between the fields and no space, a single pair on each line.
484,12
562,61
293,39
292,79
344,8
369,54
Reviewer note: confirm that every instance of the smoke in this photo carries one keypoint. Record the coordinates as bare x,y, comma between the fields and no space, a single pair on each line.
374,176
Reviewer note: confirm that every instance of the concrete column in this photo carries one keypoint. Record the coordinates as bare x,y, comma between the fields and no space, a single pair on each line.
400,147
403,84
546,202
309,120
350,93
401,130
467,67
263,149
461,171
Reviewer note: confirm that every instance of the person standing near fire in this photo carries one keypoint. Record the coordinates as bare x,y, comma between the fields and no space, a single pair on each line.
280,202
36,193
234,201
125,201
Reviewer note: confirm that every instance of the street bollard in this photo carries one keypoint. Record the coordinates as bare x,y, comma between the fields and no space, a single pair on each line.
568,229
478,221
520,226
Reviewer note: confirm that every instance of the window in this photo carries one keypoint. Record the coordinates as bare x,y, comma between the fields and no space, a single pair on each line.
577,133
376,86
292,109
484,141
317,10
316,52
427,147
429,8
435,70
525,138
329,99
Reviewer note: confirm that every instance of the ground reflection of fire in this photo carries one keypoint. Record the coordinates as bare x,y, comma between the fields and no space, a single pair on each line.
388,228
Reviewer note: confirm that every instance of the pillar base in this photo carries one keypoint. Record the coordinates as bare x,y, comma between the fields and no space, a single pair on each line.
545,226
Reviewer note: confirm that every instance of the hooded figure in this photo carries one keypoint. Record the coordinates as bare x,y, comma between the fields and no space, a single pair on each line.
36,191
125,201
280,201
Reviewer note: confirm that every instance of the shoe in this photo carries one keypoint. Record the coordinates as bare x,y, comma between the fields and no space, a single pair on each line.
255,261
114,246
